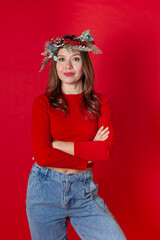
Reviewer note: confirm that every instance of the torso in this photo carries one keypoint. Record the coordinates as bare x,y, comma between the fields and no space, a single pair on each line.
59,127
69,171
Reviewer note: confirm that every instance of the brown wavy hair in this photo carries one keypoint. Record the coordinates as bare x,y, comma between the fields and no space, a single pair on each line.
90,102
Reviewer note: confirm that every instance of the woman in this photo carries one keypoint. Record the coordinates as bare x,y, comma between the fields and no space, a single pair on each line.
71,129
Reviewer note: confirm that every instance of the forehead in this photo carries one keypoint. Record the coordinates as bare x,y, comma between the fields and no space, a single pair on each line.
65,52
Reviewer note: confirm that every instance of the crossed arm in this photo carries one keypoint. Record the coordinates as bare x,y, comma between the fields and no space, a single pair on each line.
68,147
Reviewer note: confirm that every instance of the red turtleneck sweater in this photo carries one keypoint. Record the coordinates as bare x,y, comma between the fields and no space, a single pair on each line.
49,124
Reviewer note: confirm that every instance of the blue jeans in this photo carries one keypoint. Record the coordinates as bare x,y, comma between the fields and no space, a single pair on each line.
54,198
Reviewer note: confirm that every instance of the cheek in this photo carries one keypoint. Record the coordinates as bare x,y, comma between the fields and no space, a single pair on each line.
80,69
58,68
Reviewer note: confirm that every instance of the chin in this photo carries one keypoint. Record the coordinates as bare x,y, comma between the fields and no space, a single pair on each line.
68,81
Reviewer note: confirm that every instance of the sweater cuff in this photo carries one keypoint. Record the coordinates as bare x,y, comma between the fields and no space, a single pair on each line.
85,164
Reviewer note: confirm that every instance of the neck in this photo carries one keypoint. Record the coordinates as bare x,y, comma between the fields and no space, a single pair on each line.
72,89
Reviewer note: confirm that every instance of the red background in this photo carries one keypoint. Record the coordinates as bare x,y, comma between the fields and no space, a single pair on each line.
127,72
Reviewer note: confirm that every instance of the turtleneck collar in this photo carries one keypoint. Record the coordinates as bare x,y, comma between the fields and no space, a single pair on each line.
72,94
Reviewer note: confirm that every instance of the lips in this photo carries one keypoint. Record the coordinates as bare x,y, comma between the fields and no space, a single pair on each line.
68,74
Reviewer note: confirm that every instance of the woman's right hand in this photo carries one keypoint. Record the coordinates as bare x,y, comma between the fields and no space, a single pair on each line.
102,134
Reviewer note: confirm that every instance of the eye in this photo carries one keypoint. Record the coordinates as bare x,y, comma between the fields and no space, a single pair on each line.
59,59
77,59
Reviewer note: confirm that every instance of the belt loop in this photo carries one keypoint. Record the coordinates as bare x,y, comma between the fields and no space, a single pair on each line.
44,171
87,175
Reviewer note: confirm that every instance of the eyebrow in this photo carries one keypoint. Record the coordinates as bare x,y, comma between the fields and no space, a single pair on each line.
72,55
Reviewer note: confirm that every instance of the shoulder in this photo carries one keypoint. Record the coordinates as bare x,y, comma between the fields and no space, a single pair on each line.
104,99
106,106
41,99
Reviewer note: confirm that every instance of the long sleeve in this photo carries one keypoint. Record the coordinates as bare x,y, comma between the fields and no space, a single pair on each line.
41,139
99,150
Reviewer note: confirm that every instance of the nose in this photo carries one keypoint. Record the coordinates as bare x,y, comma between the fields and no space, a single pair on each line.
68,64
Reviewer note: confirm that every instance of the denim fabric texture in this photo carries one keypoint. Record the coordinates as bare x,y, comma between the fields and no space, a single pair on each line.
54,198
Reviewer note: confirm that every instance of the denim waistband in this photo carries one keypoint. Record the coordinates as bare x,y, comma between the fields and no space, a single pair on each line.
73,177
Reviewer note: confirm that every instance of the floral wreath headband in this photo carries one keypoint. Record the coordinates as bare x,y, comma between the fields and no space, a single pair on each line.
85,42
